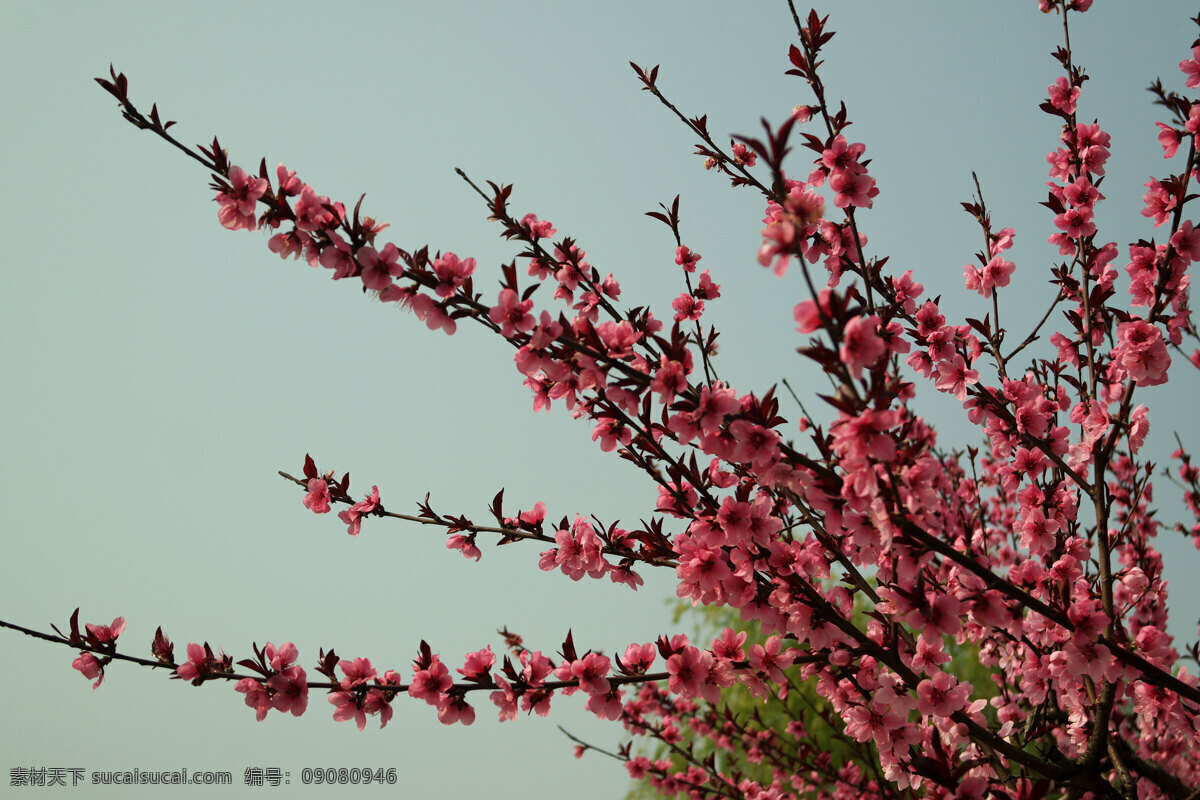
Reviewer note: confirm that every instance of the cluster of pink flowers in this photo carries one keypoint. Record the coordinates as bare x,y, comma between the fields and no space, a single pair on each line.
996,271
286,687
362,692
102,638
989,549
1141,352
798,224
842,164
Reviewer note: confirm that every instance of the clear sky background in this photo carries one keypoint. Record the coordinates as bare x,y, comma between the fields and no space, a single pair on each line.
158,369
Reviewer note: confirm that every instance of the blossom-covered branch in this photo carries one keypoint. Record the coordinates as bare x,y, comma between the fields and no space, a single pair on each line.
858,549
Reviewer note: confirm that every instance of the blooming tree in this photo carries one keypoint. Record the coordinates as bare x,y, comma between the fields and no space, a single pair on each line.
859,565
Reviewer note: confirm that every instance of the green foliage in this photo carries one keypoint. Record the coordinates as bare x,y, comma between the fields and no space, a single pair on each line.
802,703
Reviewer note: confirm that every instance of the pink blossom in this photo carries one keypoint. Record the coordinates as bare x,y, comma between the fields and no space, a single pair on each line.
702,570
809,314
1088,618
579,552
538,229
840,155
431,684
1139,426
1038,531
1068,352
1158,202
290,691
618,337
1076,222
198,664
1001,241
512,314
755,443
872,722
464,543
1092,144
671,378
852,189
1192,125
591,671
392,293
455,709
378,269
348,706
240,201
995,274
1081,193
1142,353
289,184
676,499
867,435
686,258
734,519
537,702
861,345
282,657
942,695
535,667
687,308
929,318
743,155
541,392
909,291
317,498
953,377
689,671
1191,68
432,313
1063,95
452,272
787,225
535,515
338,257
312,214
505,699
639,657
478,664
771,659
706,289
91,667
1061,166
105,634
1135,580
291,243
606,706
611,432
376,702
357,672
622,573
929,653
638,767
353,515
1186,241
257,696
1169,138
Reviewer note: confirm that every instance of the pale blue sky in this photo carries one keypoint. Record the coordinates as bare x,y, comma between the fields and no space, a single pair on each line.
159,369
